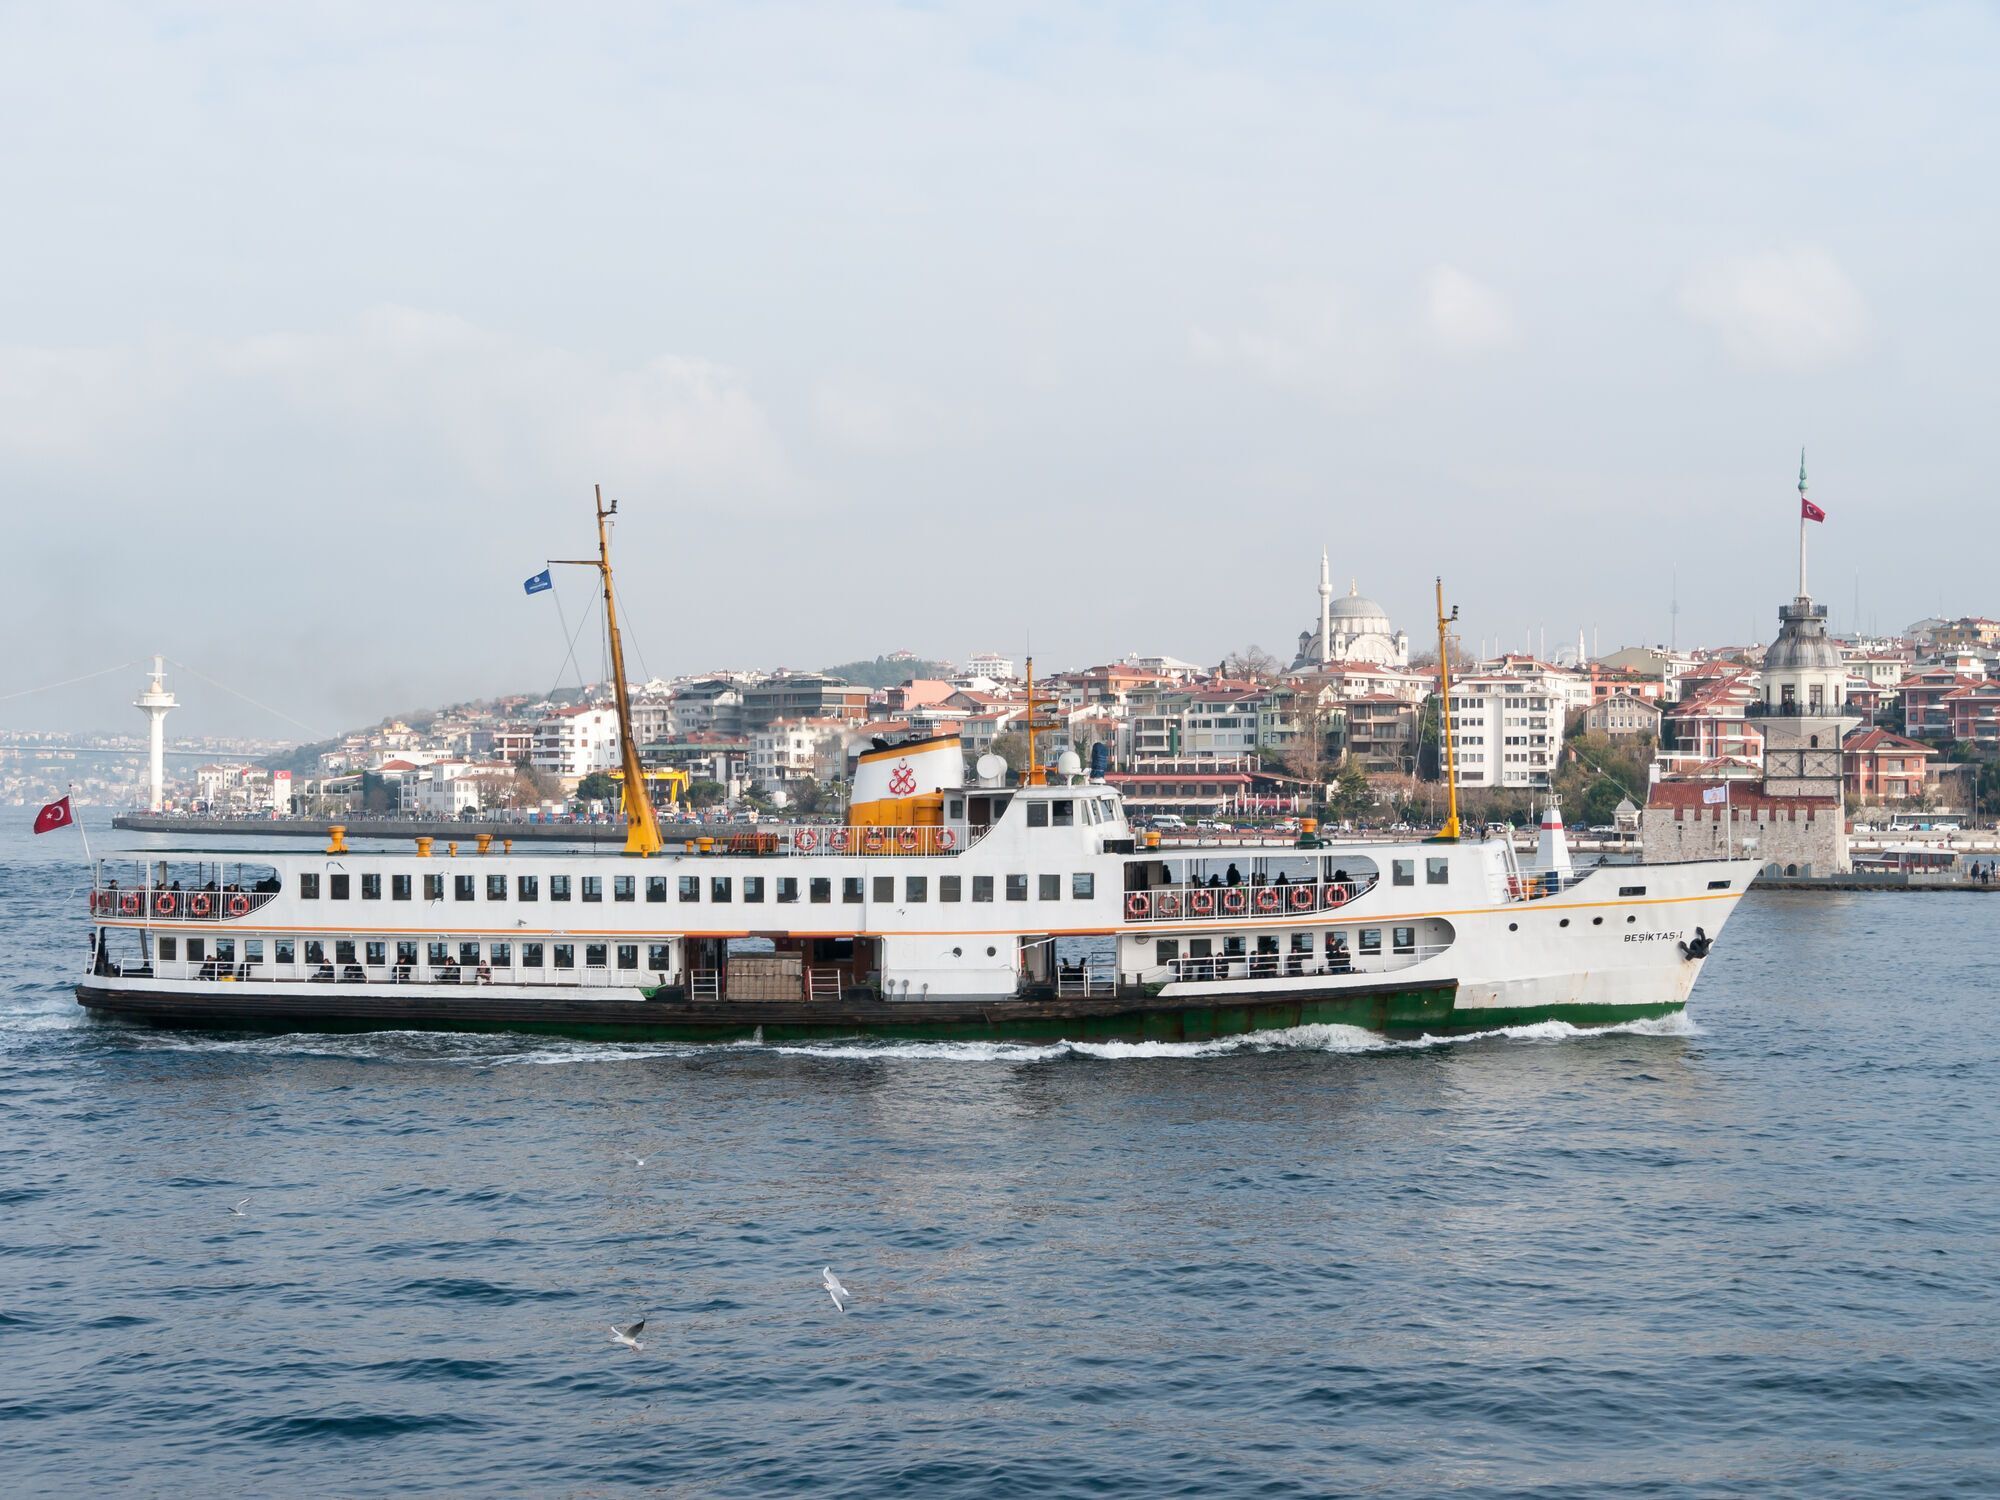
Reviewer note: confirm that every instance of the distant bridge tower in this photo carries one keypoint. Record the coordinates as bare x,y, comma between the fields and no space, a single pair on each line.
154,703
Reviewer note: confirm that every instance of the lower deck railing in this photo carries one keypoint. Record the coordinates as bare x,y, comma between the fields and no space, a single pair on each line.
1291,965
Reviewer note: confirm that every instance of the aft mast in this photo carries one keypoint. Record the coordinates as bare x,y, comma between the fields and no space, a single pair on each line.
1450,829
642,828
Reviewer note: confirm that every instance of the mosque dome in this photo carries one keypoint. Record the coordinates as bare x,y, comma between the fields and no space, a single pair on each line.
1358,607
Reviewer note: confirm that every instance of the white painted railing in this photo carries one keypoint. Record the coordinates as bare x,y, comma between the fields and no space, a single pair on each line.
1204,903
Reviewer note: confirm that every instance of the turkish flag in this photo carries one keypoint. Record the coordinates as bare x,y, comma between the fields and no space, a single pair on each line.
55,815
1810,511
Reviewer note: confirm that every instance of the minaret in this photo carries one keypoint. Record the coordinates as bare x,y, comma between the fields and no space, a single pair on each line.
1325,609
154,703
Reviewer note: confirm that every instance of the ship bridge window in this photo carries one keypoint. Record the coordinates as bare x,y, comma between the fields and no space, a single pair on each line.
916,888
337,887
1437,871
496,887
1082,886
850,889
822,889
1017,887
309,887
434,887
949,887
656,887
461,887
690,887
559,887
982,888
1064,812
718,888
788,890
1038,815
527,887
593,887
1050,888
753,887
399,887
623,887
885,888
371,887
1402,872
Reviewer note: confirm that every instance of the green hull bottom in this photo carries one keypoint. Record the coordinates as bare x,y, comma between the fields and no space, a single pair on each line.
1426,1011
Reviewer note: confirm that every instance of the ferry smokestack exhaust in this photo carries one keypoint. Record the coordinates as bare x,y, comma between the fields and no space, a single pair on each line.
1552,852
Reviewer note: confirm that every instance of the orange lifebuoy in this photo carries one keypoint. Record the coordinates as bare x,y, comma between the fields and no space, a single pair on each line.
164,904
806,839
945,838
872,841
1233,902
199,905
837,840
1170,905
129,903
238,904
1202,903
907,839
1137,904
1302,898
1267,898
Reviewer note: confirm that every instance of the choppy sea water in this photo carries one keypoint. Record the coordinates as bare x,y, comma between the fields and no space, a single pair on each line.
1751,1253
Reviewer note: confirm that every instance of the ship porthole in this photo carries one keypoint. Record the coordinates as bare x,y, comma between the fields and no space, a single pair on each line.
1597,921
1564,922
958,953
1631,919
1513,926
992,952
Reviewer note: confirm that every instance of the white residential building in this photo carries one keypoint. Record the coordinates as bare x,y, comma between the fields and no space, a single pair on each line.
573,742
1506,730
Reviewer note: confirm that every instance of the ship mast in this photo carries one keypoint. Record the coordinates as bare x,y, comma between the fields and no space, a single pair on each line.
642,828
1450,829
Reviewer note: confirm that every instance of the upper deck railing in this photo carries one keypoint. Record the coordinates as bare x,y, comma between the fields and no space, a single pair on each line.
172,904
1202,903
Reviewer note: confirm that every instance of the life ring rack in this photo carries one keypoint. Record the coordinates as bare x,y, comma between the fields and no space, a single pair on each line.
1234,902
1138,905
200,905
806,840
1268,898
239,904
1201,903
1302,898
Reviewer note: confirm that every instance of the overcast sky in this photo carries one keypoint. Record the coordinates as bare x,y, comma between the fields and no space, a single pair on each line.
936,327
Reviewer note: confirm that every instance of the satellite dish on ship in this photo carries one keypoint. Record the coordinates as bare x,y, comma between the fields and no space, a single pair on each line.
991,768
1069,763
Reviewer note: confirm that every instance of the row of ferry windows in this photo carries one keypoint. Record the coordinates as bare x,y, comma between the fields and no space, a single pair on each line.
1066,812
1368,942
437,955
721,888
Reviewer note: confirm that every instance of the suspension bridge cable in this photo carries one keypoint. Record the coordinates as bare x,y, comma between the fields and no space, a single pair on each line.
49,687
317,734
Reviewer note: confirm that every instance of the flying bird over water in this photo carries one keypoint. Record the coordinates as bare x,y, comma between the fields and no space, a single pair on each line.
241,1203
637,1161
840,1294
629,1337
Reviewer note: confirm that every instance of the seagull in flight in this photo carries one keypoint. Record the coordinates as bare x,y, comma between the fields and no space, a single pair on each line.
636,1160
241,1204
629,1336
840,1294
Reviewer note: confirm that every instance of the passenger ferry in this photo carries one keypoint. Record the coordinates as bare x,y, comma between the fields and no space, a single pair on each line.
950,903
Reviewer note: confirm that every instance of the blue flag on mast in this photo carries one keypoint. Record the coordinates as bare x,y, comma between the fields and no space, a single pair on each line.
540,583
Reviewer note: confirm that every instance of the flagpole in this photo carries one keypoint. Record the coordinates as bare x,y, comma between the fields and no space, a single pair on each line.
87,856
1802,523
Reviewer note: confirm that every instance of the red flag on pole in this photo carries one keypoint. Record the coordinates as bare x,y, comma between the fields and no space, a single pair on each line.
55,815
1810,511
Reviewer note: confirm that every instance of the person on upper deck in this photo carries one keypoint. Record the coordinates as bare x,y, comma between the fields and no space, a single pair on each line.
1235,876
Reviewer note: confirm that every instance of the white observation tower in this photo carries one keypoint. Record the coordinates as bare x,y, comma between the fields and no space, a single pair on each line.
154,703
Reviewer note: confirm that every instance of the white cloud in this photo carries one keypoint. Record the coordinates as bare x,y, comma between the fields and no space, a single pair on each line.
1304,337
496,410
1463,316
873,416
1791,310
